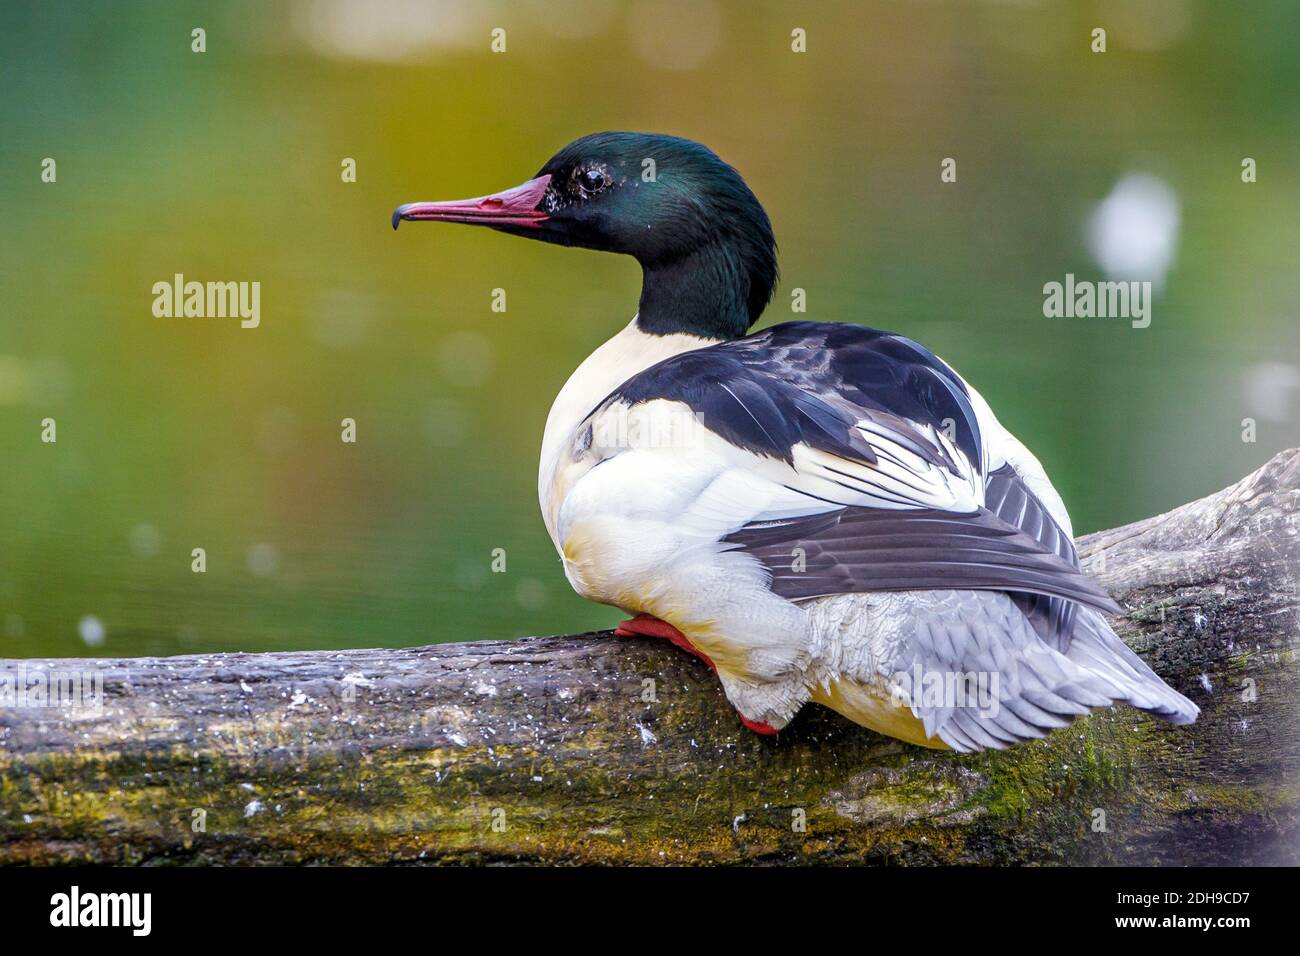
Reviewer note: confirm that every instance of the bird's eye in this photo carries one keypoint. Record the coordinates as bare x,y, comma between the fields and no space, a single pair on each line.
592,180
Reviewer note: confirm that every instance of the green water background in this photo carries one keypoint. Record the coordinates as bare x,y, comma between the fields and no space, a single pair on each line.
183,433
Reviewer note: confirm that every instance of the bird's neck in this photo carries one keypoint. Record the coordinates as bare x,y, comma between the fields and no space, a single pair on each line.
706,292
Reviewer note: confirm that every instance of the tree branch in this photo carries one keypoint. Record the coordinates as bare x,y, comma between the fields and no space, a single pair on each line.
592,748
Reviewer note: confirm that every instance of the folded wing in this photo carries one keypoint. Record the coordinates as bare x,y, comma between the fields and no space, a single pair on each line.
883,471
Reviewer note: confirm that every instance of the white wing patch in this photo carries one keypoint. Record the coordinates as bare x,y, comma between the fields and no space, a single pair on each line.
657,459
899,479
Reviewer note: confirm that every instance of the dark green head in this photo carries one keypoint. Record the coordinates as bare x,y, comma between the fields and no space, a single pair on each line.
703,240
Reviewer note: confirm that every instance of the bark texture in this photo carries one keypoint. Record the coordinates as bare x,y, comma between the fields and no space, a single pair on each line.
595,749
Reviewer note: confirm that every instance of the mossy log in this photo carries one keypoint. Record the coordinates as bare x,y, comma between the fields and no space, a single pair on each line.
596,749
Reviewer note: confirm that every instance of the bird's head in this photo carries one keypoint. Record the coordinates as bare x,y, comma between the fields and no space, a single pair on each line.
702,238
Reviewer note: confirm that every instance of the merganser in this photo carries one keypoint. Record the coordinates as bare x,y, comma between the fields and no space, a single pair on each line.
820,511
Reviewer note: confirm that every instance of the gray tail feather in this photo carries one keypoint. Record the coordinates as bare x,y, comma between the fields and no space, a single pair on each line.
1095,647
1039,687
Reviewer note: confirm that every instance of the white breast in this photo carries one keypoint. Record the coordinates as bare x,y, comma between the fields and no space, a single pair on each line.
628,352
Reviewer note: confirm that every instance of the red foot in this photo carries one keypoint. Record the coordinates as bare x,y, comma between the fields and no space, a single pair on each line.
757,726
648,626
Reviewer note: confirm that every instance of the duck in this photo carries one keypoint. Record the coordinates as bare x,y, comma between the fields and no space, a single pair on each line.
821,512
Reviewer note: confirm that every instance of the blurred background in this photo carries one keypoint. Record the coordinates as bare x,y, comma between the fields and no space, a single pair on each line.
225,165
